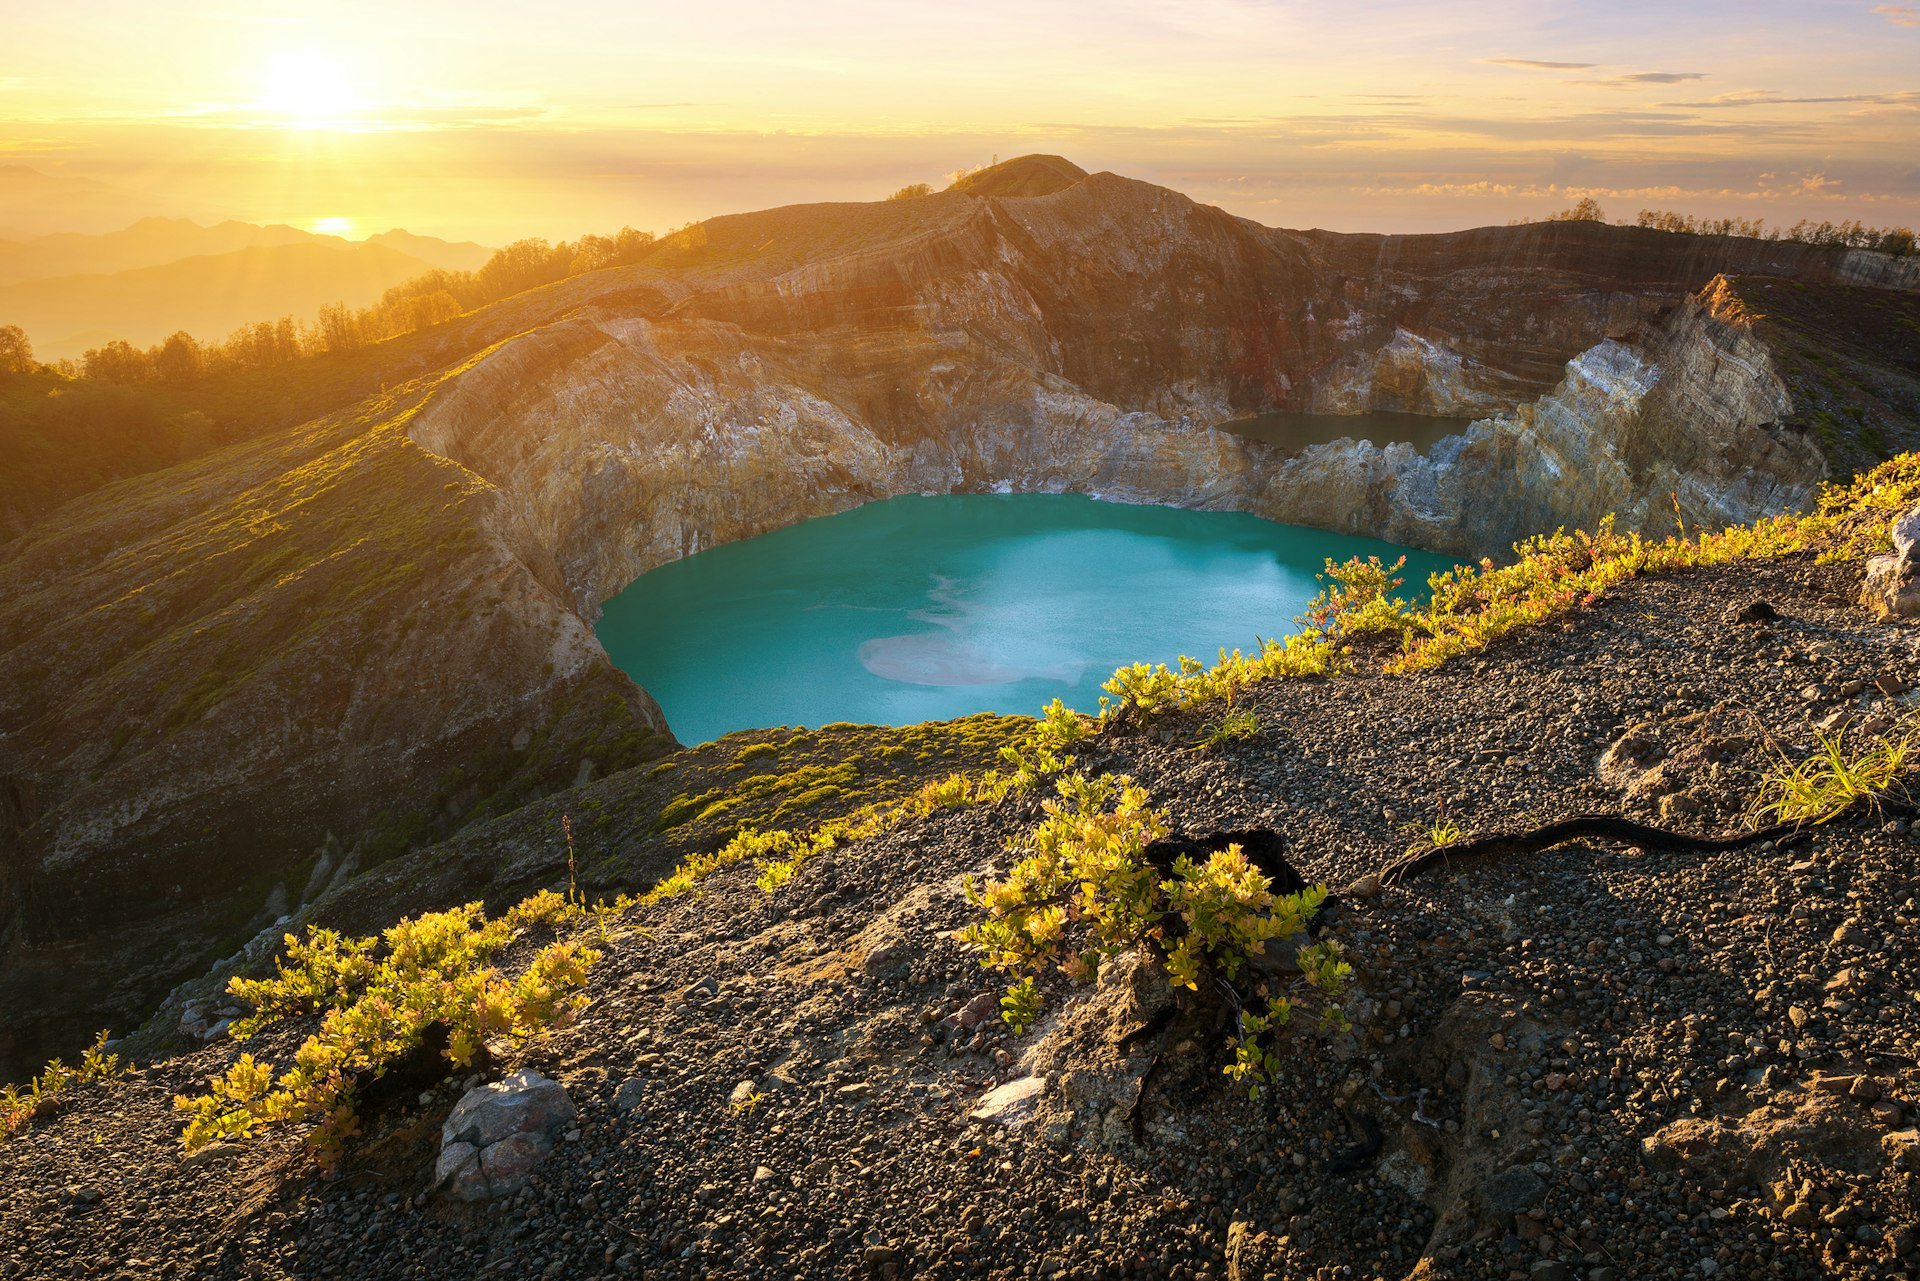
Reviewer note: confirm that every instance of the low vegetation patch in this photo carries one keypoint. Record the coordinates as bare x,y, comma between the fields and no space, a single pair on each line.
377,999
1088,889
1834,778
780,852
1471,606
42,1094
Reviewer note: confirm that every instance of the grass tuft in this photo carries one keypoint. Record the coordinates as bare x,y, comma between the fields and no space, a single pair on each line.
1834,778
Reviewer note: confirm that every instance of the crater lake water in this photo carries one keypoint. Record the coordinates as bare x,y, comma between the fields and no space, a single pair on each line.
925,608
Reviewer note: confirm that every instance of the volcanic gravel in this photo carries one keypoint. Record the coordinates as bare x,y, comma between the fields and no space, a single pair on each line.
1597,1062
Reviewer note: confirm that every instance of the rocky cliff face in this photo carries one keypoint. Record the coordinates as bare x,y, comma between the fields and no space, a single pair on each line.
1690,410
1089,338
222,684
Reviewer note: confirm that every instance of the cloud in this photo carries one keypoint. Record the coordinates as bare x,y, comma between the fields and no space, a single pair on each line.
1772,98
385,117
1900,15
1534,64
1632,80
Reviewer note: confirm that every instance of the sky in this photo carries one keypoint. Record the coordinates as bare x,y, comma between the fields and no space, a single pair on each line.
489,121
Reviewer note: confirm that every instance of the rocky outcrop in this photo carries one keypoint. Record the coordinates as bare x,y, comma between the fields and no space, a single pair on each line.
629,441
1689,410
1891,588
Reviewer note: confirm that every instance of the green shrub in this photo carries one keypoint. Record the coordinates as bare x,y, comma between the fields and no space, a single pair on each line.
377,999
1086,891
18,1106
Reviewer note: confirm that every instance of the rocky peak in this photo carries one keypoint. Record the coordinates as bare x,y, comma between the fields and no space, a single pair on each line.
1035,175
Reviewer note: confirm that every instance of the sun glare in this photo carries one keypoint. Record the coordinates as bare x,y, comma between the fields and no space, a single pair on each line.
309,91
333,226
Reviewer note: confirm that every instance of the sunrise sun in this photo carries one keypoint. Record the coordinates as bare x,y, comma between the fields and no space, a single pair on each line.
309,90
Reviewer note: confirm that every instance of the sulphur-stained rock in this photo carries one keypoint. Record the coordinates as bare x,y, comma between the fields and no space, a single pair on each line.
499,1133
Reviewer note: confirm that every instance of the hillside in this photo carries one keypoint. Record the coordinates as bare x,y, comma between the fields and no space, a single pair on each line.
1609,1059
34,203
367,623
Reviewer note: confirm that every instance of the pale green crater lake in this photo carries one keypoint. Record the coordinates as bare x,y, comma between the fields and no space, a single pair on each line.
919,609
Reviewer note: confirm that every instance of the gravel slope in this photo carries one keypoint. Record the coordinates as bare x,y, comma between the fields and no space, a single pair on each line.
1596,1062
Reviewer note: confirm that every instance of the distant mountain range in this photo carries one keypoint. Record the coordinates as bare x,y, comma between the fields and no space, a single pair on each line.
72,291
153,241
33,203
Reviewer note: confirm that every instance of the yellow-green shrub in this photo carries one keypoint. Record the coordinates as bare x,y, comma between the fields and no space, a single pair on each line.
780,853
18,1106
1086,891
377,999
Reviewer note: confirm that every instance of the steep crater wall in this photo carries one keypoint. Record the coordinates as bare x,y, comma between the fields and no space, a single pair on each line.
226,686
1090,339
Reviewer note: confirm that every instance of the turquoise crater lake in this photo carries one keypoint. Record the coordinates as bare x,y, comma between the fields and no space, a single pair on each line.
925,608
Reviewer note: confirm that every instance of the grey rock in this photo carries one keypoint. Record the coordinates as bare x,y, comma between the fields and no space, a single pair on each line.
1514,1190
507,1163
524,1102
1892,584
499,1133
458,1171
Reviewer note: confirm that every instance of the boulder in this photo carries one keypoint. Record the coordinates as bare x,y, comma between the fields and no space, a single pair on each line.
499,1133
1892,585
